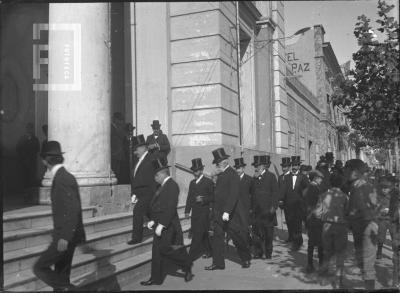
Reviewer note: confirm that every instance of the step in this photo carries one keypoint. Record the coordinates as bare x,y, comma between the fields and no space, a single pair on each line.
19,260
85,263
31,220
25,238
14,240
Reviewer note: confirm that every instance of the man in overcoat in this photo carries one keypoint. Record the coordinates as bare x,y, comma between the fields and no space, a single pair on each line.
265,202
200,195
143,187
68,229
165,222
286,167
227,192
158,142
292,195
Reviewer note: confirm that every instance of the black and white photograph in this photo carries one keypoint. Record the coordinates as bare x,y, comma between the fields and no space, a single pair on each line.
200,146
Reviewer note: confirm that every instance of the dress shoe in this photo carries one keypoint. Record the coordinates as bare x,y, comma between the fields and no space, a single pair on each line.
149,283
257,256
188,276
246,264
268,256
214,267
206,255
133,242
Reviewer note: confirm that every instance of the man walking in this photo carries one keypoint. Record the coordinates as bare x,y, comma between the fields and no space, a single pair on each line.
227,192
285,171
143,187
200,195
363,219
68,229
166,224
265,203
292,196
158,142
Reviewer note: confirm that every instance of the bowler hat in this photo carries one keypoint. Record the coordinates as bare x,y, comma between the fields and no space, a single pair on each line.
316,173
138,141
156,124
239,162
159,164
219,155
261,160
285,162
356,164
295,160
51,148
305,168
329,156
197,164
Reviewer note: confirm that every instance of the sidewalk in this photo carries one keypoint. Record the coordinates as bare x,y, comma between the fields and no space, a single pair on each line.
286,270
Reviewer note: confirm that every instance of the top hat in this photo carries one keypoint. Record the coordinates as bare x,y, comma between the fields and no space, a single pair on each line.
295,160
329,156
156,124
159,164
285,162
219,155
239,162
197,164
261,160
138,141
51,148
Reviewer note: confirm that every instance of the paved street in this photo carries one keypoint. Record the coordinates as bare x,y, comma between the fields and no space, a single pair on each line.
285,271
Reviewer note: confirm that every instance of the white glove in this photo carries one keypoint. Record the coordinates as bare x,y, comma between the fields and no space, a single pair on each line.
134,199
150,224
159,229
225,217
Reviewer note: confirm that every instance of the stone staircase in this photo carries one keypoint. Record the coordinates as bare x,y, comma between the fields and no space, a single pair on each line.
104,262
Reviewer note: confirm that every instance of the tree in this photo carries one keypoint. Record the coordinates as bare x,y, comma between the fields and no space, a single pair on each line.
370,93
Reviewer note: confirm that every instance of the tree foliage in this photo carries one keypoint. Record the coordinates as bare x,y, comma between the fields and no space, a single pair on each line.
370,93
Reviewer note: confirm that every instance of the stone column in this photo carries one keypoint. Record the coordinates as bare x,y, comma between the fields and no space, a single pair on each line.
79,113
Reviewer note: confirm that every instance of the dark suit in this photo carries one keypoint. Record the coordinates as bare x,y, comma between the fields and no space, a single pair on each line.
144,187
294,205
163,211
162,141
265,203
68,225
242,211
200,215
227,193
280,186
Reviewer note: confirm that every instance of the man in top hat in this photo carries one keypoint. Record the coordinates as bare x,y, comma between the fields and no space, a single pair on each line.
200,195
285,171
305,170
68,229
226,196
265,203
165,222
158,142
143,186
329,159
243,208
292,195
363,206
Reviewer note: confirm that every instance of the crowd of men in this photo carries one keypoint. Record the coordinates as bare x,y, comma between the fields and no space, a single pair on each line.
330,201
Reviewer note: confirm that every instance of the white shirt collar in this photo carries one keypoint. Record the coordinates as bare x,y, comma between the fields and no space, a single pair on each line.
165,180
242,175
227,166
198,179
142,157
55,169
262,173
287,173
